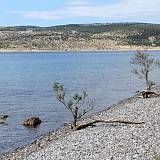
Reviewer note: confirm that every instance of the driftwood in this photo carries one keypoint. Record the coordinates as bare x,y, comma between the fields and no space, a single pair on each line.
148,93
82,126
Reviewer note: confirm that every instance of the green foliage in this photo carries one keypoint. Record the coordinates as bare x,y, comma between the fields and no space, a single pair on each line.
147,29
75,105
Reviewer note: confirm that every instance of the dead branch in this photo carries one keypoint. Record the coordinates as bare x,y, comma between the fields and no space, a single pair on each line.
148,93
103,121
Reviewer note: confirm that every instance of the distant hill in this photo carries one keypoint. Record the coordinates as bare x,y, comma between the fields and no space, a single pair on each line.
81,36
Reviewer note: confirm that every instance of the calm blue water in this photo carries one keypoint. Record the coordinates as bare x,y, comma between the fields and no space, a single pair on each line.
26,88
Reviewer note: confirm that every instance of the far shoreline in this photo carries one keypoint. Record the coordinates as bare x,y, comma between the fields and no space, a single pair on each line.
121,49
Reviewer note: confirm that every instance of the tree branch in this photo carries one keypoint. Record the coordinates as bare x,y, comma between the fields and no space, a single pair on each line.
104,121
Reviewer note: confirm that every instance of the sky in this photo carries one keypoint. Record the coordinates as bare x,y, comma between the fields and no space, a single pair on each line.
59,12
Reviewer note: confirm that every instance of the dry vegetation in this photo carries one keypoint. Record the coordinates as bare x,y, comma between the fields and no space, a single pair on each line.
80,37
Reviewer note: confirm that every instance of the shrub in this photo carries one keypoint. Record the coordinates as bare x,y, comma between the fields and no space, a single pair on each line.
145,63
78,105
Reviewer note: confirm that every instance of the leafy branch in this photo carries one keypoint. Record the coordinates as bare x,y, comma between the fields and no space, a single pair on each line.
75,104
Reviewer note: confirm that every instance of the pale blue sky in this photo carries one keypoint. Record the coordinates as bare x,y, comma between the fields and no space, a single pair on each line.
56,12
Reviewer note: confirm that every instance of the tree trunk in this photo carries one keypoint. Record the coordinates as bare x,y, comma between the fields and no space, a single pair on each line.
147,81
75,123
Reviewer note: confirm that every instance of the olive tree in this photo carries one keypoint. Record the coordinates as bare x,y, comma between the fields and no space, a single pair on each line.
78,105
145,63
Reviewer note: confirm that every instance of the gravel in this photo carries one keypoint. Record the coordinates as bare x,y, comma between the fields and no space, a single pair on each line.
103,141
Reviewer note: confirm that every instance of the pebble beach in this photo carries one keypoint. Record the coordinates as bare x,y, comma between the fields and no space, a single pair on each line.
102,141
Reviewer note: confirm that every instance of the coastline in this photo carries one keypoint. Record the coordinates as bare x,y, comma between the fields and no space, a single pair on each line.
118,48
43,141
61,134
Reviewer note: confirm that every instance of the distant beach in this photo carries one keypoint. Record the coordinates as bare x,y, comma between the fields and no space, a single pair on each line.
118,48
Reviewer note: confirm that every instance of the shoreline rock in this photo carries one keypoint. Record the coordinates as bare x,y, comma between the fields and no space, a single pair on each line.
32,122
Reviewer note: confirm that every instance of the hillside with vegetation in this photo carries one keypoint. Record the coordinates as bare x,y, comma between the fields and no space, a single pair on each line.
81,37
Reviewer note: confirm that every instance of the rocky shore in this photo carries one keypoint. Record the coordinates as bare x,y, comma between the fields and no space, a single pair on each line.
103,141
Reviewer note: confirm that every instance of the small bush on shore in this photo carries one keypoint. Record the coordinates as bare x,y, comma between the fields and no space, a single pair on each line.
78,105
145,64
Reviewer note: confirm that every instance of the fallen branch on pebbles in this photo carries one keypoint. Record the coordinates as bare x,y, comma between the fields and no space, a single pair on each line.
103,121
